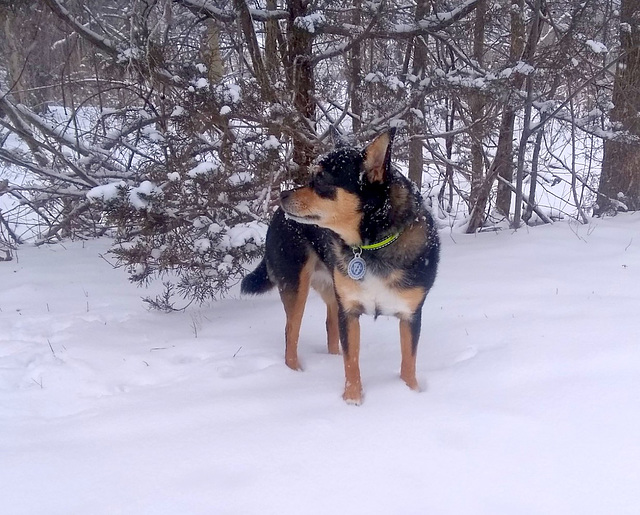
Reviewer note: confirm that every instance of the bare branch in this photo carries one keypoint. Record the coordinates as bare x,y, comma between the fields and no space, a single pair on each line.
103,44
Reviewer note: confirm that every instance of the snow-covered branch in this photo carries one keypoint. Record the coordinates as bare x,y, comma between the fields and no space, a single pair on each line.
100,42
206,8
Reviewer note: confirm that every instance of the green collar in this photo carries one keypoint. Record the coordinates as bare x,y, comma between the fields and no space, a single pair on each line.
380,244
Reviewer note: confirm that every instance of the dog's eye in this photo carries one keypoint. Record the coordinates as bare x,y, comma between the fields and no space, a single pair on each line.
322,185
320,179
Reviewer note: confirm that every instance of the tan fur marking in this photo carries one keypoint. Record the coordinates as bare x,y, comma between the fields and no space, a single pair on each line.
294,303
352,383
374,154
333,329
322,282
410,243
346,289
342,214
413,297
394,278
399,196
349,291
408,365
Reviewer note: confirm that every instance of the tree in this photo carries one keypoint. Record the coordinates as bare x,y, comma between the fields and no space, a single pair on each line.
619,187
503,161
181,148
173,124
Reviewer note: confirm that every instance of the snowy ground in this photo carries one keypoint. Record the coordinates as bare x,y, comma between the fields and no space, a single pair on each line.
529,358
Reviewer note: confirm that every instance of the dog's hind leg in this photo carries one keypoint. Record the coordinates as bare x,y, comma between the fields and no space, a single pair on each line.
409,335
333,327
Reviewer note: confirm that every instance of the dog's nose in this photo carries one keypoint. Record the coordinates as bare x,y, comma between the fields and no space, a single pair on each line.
284,195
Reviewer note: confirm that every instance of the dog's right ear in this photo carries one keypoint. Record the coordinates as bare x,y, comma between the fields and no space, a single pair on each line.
377,156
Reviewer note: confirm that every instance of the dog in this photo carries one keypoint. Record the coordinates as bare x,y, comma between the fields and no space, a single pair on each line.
360,235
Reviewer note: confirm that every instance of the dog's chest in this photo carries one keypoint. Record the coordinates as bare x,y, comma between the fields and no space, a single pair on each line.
375,295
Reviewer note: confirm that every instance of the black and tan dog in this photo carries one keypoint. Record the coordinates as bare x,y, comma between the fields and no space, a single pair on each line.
360,235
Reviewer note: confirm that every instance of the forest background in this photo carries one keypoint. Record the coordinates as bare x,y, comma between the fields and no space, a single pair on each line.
173,124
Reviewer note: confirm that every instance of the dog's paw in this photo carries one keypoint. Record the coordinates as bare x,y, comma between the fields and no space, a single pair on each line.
352,401
352,394
334,349
412,383
293,364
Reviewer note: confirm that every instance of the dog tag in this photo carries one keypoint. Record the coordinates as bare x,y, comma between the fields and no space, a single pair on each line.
356,268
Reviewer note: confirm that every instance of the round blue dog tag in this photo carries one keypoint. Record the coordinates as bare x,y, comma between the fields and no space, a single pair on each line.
356,268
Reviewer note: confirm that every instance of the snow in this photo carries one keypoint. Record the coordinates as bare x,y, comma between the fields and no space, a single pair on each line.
203,168
178,111
106,192
138,195
417,113
231,92
372,77
596,46
429,21
271,143
238,178
241,234
506,73
395,84
529,360
201,83
310,21
153,134
128,54
201,245
523,68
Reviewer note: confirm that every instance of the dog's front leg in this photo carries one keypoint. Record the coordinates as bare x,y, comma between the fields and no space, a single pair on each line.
409,335
350,338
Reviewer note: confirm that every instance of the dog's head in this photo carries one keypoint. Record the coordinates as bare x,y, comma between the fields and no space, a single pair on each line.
340,183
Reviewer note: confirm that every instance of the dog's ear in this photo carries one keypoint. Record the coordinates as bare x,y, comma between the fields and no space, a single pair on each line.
377,156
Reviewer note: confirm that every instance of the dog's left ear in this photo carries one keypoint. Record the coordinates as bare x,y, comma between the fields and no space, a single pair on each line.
377,156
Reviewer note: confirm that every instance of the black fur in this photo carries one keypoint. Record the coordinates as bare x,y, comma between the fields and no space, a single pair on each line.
258,281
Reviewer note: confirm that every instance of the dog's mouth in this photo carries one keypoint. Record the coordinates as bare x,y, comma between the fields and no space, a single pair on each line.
303,219
295,208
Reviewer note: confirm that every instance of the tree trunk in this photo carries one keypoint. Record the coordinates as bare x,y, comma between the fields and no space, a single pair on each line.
530,54
210,50
416,159
503,162
619,187
271,43
502,165
253,46
356,74
302,81
477,109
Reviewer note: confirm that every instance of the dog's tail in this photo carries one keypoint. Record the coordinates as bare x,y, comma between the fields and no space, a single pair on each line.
258,281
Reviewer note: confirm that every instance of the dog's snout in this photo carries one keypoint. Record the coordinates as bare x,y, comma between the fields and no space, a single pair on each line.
284,195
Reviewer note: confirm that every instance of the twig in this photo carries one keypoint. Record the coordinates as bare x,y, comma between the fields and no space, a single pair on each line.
51,347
